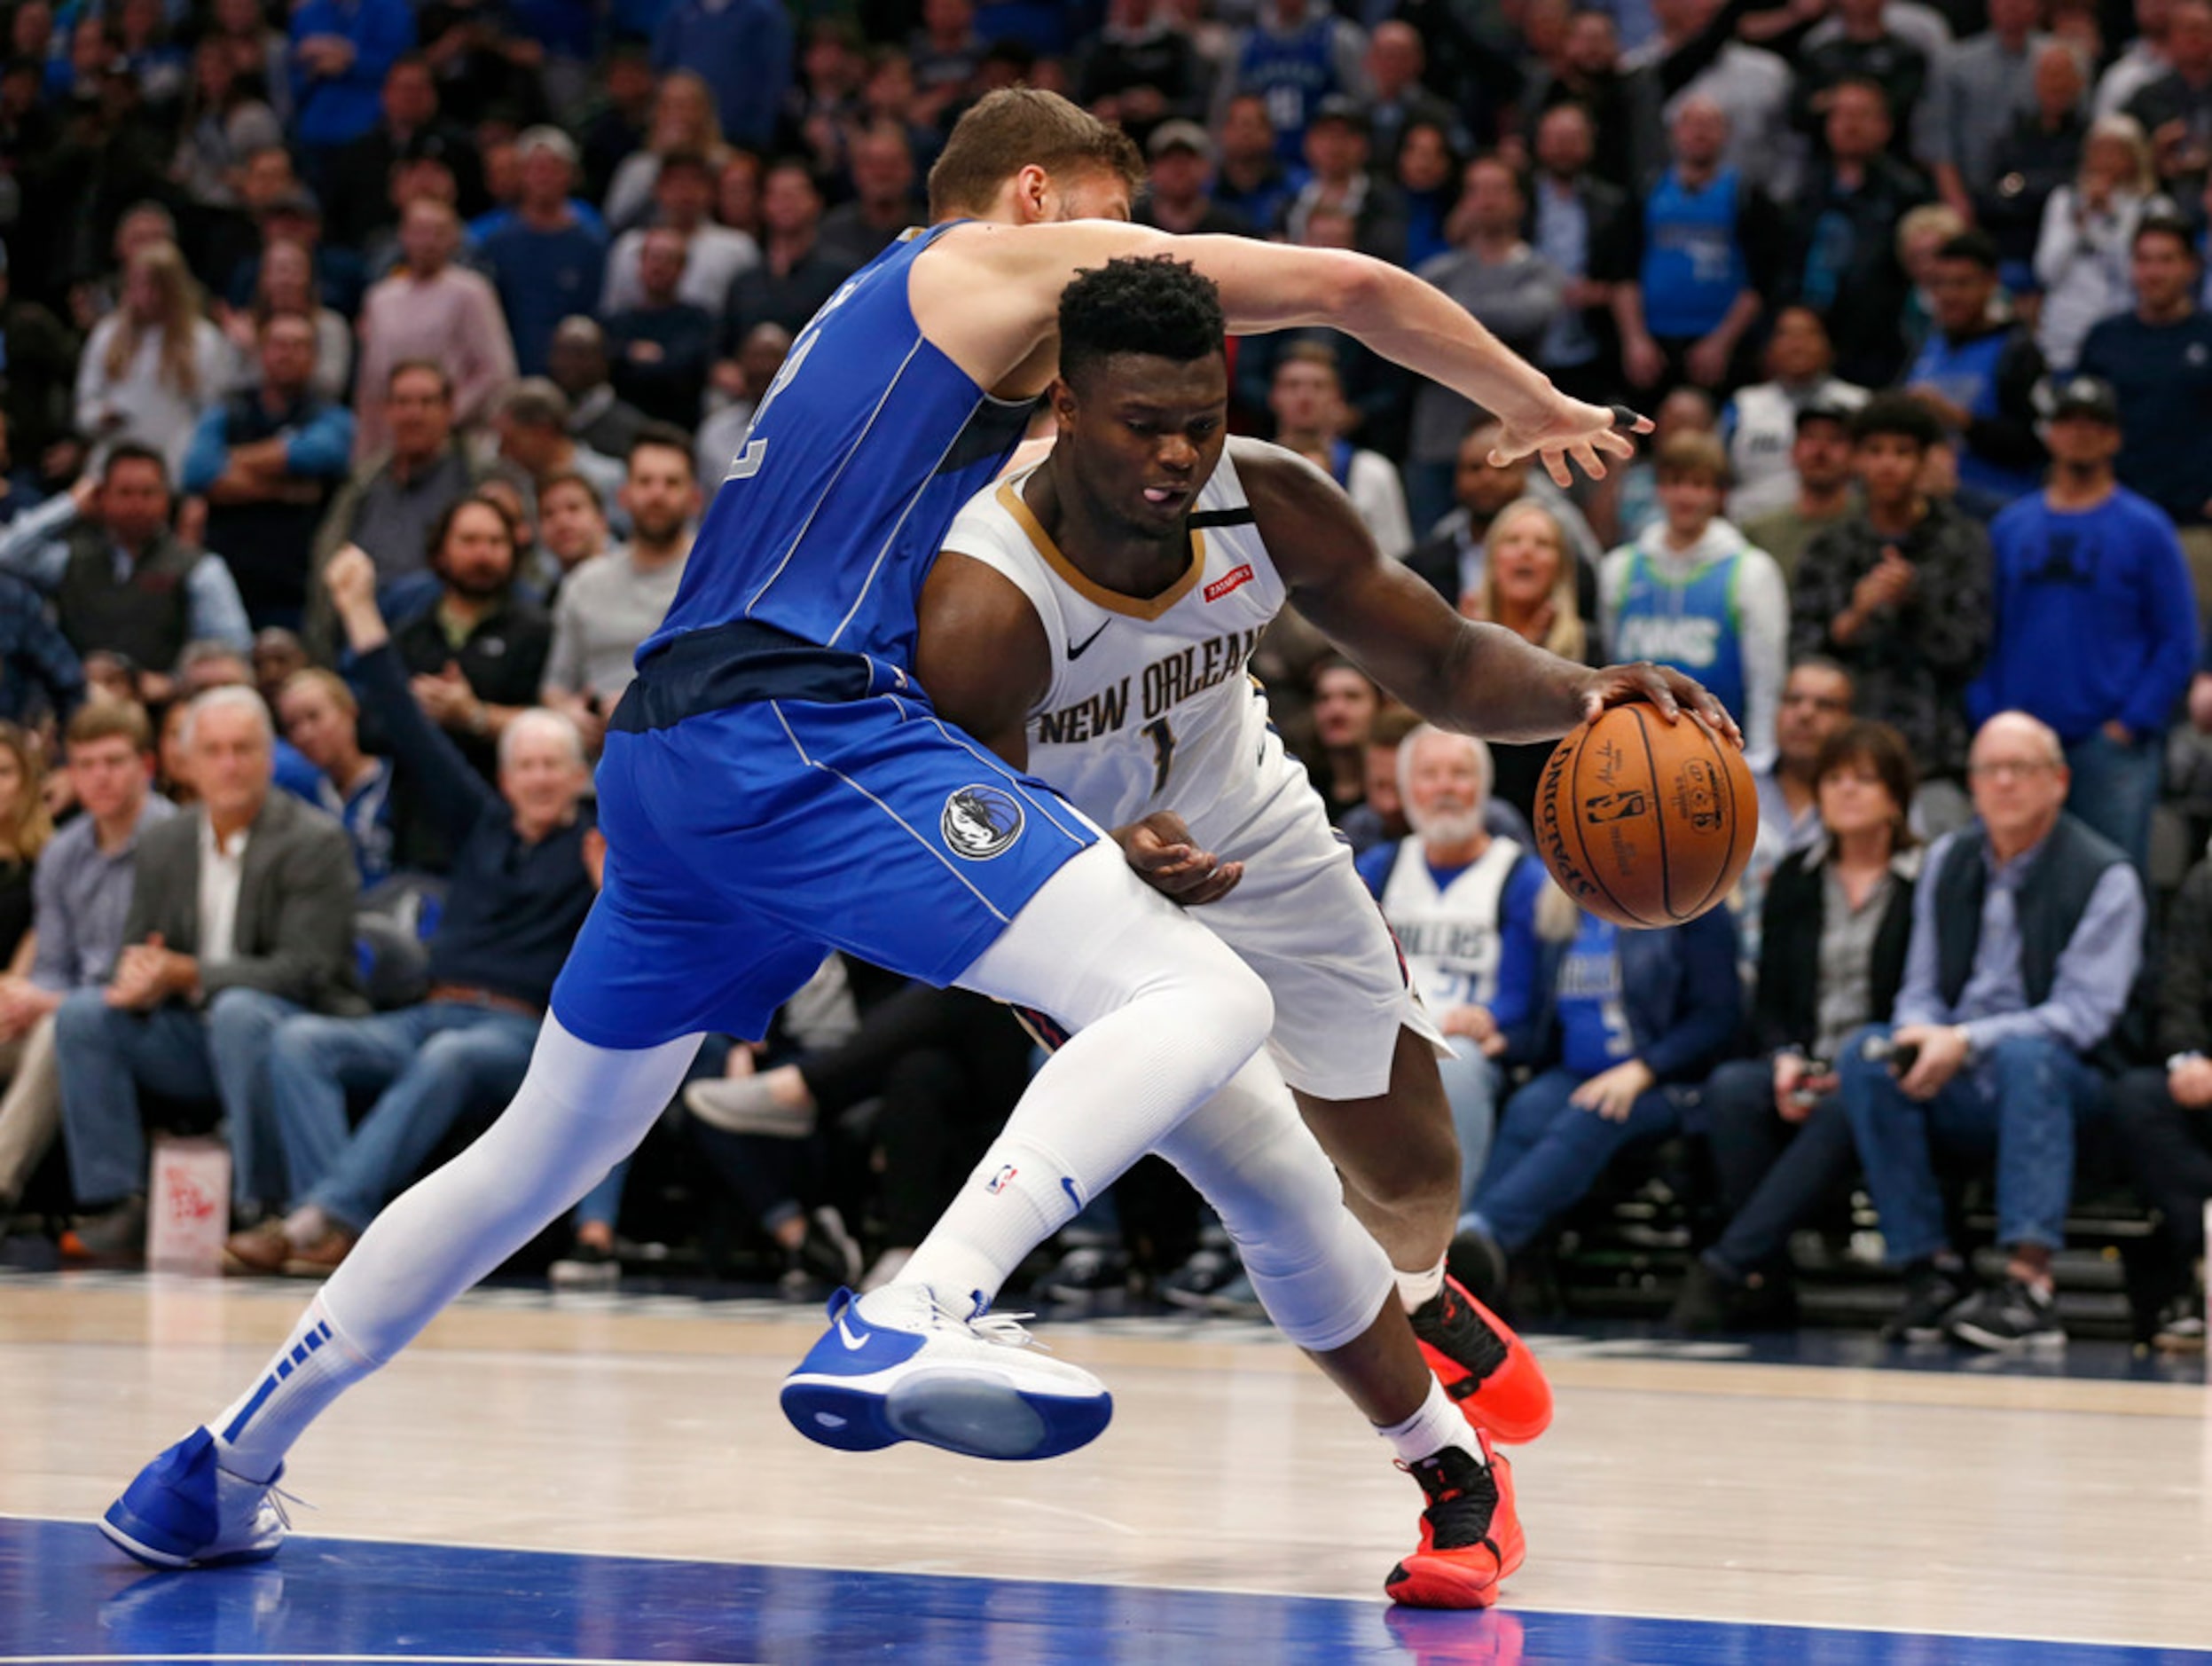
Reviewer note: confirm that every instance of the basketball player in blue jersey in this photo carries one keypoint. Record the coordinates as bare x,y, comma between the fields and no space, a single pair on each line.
775,785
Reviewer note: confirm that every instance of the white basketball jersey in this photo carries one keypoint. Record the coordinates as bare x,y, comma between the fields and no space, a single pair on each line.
1150,706
1450,937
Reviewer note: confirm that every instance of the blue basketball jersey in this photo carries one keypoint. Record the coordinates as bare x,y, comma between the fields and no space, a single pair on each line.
860,453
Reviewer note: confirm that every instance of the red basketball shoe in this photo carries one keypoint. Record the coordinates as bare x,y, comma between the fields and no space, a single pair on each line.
1483,1365
1471,1537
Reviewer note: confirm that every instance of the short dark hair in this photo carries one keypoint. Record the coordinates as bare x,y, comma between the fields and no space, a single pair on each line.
583,483
443,527
1863,742
132,452
1153,304
1016,128
663,437
426,366
2167,225
1896,413
1977,246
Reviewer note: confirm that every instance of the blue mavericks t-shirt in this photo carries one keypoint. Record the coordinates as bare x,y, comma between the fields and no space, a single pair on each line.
1593,1024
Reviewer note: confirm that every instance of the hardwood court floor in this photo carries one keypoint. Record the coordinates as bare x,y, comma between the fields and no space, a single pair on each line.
1945,1504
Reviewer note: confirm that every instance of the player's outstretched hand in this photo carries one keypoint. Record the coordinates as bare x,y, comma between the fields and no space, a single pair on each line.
1572,429
1160,849
1661,686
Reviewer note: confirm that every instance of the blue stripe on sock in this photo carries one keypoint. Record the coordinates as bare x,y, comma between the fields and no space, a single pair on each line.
283,1369
322,1331
299,1355
239,1423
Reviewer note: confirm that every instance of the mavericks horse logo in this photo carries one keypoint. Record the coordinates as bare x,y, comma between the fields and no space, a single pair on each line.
980,822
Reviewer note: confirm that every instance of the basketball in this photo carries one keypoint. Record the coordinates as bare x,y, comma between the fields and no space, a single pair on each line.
1646,822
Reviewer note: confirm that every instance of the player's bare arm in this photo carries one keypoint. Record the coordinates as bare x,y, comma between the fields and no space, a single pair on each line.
1479,678
1007,345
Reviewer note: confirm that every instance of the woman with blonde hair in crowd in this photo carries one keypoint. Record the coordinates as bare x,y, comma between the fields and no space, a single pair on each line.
2085,256
285,283
684,119
1529,586
154,364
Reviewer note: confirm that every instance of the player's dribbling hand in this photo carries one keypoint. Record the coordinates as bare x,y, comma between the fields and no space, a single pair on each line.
1572,429
1160,851
1663,687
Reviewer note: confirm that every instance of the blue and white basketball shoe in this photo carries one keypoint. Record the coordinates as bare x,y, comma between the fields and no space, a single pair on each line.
185,1512
898,1364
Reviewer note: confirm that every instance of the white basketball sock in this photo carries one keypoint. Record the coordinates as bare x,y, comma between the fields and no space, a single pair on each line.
1426,1285
1430,1430
315,1364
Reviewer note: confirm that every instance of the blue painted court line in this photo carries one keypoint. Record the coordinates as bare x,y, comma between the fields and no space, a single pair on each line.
66,1596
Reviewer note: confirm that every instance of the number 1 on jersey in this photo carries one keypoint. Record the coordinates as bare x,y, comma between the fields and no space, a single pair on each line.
1162,734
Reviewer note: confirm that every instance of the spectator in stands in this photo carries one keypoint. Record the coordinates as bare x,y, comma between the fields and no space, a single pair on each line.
1382,818
286,284
547,264
526,866
1451,558
1338,180
321,718
2144,60
1899,596
742,48
1707,246
663,347
1178,199
476,657
268,461
1428,173
1295,54
1139,67
571,525
1585,228
293,217
532,422
2159,361
1978,88
80,892
1867,51
1623,1020
617,125
796,274
1462,905
883,202
153,366
409,126
241,914
432,311
613,602
41,674
684,119
1512,290
744,382
1690,593
2083,254
1843,263
1398,99
1529,585
715,255
1833,927
1628,496
2093,621
1821,464
2176,110
275,656
120,579
341,53
1817,701
1976,372
1760,422
2027,933
1254,180
1346,700
1307,403
599,419
2160,1124
2038,154
35,396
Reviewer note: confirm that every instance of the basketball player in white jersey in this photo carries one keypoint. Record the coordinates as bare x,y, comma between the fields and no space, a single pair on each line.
1090,621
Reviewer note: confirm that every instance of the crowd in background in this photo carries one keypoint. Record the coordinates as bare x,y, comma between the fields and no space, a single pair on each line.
365,368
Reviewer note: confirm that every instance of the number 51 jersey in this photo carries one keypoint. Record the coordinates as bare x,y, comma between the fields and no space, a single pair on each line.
1150,706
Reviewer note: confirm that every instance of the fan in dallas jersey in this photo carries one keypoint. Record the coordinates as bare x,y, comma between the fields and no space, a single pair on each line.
1090,621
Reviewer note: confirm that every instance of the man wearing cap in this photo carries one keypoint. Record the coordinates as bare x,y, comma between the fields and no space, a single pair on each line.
2094,621
1180,199
545,264
1337,152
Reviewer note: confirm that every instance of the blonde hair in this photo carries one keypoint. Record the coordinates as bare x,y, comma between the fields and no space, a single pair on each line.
707,136
179,324
1569,637
329,681
2123,129
1930,219
27,827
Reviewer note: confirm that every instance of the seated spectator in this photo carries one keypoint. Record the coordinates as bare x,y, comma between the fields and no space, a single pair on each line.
1382,818
241,914
153,366
1462,905
2027,933
268,462
2164,1134
277,655
1628,496
1832,930
205,665
796,274
1178,197
546,263
320,717
1346,700
1843,261
1530,585
744,382
2093,624
1692,593
286,284
1452,556
120,579
1816,706
883,202
613,602
2082,252
431,312
715,255
683,120
663,346
599,418
1898,596
532,422
1760,424
40,674
1308,402
1976,372
1622,1019
526,867
571,530
1823,495
80,892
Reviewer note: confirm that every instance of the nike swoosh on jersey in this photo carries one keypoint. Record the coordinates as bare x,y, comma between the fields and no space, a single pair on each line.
1077,650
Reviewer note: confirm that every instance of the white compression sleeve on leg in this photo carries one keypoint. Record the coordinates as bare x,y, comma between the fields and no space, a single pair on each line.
580,1109
1164,1013
1318,1273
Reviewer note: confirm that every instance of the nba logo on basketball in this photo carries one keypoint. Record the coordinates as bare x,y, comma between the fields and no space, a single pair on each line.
1000,1181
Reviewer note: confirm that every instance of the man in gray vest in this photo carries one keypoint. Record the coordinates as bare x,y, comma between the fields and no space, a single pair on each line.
2027,934
121,579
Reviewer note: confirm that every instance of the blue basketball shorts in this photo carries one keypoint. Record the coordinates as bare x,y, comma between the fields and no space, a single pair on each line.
745,842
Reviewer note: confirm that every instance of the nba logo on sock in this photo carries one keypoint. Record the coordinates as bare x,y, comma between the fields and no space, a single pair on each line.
1000,1181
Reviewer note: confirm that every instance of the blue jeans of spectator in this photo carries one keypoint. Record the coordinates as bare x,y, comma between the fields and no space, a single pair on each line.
2115,789
1471,1087
1772,1174
105,1054
1549,1152
428,1065
2019,1102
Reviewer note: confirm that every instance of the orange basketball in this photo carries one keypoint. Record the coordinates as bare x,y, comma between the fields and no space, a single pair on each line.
1643,821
